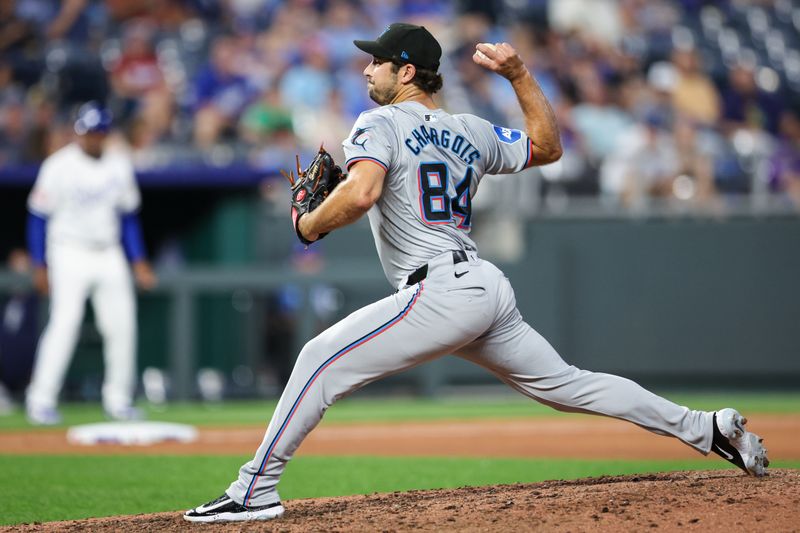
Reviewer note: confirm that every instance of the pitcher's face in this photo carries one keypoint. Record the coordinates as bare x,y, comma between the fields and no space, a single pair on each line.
382,84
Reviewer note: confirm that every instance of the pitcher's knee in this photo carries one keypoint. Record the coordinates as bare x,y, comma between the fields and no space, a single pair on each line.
315,352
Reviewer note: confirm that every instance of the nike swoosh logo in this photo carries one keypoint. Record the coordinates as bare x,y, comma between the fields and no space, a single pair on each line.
725,454
459,275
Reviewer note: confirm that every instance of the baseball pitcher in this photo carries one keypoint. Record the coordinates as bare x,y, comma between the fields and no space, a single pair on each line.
82,223
413,169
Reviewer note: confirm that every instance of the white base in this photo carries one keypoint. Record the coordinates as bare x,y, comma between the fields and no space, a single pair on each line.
130,433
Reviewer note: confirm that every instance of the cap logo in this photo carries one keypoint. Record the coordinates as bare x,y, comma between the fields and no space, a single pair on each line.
404,55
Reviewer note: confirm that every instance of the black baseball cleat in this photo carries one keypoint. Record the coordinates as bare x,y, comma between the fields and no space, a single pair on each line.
224,509
737,445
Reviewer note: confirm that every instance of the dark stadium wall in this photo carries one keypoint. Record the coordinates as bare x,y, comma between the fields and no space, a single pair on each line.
690,301
680,301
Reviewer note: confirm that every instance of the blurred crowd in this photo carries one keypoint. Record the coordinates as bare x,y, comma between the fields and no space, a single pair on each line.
690,100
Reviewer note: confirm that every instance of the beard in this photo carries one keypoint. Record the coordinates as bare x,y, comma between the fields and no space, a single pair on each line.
383,95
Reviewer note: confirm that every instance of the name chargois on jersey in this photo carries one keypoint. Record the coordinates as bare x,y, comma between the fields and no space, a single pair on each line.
422,136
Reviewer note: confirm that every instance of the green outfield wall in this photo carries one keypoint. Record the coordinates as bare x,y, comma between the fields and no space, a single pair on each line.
667,300
681,300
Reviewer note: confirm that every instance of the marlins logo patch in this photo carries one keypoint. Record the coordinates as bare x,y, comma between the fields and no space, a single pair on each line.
507,135
360,137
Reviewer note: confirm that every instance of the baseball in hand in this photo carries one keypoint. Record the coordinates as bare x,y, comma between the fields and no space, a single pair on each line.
481,54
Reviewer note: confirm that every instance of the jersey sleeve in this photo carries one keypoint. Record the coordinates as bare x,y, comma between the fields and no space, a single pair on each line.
130,198
370,139
505,150
44,196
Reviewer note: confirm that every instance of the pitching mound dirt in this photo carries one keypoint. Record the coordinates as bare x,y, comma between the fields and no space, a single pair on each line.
691,501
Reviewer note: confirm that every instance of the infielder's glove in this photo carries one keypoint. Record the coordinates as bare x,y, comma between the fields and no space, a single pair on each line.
312,186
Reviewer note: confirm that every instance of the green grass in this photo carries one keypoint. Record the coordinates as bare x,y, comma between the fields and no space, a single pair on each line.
47,488
368,409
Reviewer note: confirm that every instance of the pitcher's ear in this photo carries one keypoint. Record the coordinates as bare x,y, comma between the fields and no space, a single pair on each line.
408,71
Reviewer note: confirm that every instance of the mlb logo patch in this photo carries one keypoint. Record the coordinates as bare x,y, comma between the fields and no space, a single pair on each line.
507,135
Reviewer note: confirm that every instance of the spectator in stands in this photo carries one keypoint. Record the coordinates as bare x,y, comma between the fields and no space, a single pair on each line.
168,15
635,97
220,92
654,161
590,58
138,82
54,20
477,87
42,128
19,327
9,87
647,19
537,60
694,94
308,83
641,165
600,18
694,179
322,125
745,105
662,77
597,120
121,10
267,127
342,22
12,129
16,33
143,144
350,81
785,162
264,117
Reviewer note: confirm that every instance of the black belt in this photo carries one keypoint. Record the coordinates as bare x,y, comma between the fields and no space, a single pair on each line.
459,256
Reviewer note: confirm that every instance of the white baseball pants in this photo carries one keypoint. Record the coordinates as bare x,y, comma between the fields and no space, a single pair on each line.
467,309
75,273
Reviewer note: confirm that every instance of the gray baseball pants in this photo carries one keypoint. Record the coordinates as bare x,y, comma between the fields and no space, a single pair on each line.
467,309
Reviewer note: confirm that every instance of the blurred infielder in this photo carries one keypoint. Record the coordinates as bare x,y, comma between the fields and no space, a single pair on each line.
82,223
414,169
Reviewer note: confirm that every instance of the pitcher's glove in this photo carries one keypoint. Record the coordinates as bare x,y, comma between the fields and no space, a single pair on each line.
312,186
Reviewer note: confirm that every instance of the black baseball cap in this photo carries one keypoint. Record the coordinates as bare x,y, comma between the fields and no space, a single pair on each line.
405,43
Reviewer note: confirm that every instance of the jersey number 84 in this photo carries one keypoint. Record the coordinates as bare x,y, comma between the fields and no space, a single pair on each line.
435,204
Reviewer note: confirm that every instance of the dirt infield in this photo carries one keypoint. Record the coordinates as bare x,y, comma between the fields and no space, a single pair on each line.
680,501
692,501
574,436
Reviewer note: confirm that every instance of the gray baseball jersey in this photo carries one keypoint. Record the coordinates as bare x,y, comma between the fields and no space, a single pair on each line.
460,304
434,162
